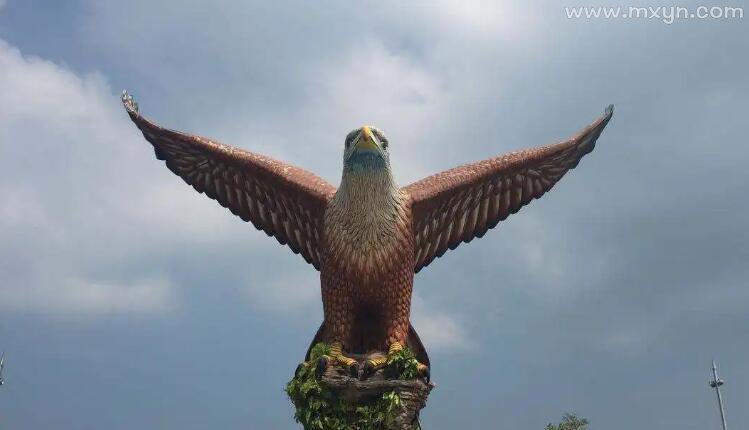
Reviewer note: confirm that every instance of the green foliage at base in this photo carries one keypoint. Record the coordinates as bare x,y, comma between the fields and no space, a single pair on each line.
404,364
318,408
569,422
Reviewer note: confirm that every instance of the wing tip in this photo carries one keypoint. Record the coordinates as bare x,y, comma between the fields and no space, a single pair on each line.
131,106
591,135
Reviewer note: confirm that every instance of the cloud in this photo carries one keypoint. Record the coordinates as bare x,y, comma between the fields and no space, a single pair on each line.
371,84
285,293
438,329
484,20
75,181
85,297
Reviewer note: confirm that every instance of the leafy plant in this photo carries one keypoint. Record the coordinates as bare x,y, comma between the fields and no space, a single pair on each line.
569,422
318,408
403,365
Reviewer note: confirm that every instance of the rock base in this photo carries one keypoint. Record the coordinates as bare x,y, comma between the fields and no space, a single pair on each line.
339,401
412,393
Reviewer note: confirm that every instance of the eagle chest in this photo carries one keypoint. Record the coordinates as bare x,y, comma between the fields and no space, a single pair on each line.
366,242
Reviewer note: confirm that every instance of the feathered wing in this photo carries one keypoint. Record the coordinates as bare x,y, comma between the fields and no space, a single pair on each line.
282,200
460,204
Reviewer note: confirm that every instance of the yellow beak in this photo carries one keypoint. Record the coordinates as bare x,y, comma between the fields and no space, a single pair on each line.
367,139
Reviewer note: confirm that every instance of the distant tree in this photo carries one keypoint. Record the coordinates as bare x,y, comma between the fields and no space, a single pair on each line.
569,422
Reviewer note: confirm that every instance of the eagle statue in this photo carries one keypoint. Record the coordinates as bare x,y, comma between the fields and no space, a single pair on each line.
368,237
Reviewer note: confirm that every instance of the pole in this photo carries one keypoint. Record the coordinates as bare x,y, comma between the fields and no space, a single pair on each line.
716,383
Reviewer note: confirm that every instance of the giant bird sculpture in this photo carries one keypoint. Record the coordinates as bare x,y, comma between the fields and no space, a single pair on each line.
368,237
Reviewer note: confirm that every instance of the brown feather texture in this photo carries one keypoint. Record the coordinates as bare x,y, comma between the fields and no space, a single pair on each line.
284,201
369,237
460,204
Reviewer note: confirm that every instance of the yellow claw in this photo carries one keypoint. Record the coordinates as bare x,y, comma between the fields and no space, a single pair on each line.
377,362
395,348
336,357
374,364
336,353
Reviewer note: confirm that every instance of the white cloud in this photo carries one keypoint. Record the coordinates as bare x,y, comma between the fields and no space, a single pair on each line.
484,18
371,84
298,292
438,330
85,297
78,182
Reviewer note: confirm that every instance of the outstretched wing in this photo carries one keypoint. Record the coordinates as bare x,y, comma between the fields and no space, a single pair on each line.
460,204
282,200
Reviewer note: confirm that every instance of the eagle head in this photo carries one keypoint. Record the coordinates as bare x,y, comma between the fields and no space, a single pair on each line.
366,151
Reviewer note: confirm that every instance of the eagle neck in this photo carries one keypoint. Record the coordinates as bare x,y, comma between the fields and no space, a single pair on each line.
368,190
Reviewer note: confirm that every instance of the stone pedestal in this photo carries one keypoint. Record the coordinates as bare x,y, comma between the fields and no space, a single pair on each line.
412,394
382,401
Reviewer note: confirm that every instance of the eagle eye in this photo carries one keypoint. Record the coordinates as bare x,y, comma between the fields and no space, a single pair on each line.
350,137
382,139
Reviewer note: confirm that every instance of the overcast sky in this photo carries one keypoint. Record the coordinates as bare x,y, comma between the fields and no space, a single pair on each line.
127,300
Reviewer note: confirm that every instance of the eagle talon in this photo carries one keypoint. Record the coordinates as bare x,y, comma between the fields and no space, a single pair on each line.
373,364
